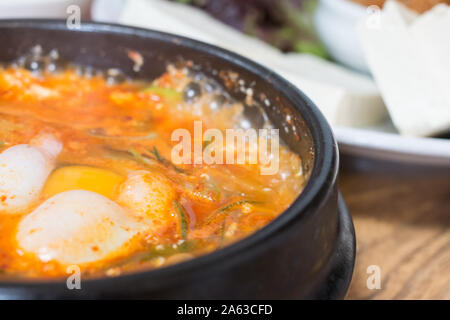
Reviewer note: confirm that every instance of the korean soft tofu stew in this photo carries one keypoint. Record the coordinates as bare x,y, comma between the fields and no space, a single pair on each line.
101,171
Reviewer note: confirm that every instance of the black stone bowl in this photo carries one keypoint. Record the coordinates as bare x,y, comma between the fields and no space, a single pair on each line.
308,252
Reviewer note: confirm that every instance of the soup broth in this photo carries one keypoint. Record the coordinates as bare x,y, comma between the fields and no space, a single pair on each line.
87,177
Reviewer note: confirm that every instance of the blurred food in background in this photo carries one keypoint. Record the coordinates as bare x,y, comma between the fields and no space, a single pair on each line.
418,5
285,24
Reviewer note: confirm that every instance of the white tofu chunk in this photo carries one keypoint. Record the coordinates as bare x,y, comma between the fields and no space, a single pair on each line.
24,169
409,56
77,227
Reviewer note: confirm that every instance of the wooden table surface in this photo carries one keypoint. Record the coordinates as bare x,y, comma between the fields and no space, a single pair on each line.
402,222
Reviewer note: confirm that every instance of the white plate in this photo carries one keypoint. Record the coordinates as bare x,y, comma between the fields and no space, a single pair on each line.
384,143
380,142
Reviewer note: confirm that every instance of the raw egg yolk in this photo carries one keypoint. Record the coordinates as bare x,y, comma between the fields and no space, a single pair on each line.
92,179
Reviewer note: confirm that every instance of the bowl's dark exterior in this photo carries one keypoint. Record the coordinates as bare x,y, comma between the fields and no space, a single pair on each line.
307,253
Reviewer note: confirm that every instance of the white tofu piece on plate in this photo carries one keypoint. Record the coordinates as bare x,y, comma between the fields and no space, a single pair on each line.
409,56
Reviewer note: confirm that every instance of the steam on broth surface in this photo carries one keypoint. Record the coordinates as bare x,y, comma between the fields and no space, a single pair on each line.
86,175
